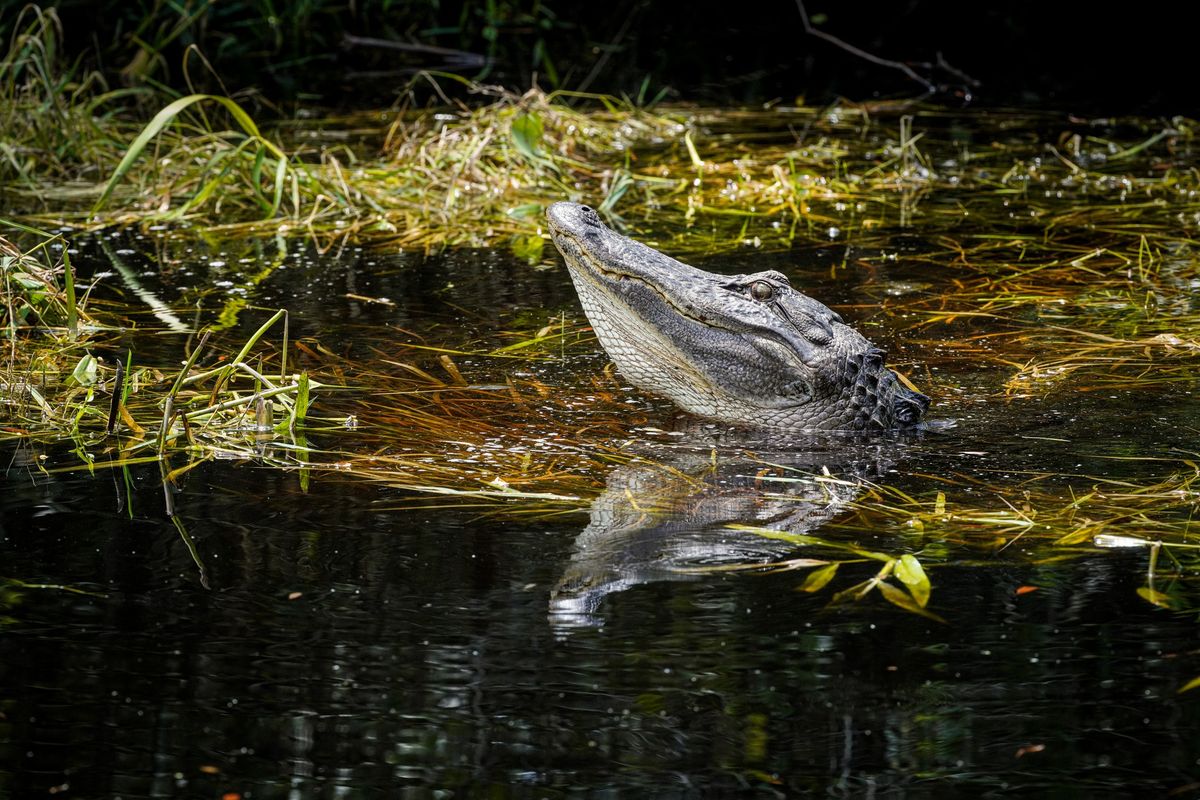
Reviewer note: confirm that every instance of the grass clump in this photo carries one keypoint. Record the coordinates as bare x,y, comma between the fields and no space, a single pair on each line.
66,377
39,293
53,126
480,165
1059,254
41,318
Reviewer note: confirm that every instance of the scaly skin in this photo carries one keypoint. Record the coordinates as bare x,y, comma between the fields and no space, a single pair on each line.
744,349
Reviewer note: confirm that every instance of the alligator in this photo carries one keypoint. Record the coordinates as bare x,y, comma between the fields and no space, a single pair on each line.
748,350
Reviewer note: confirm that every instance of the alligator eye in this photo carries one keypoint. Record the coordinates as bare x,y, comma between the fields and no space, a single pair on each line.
761,290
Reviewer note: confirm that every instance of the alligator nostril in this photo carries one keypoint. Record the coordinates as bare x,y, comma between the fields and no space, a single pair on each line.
586,209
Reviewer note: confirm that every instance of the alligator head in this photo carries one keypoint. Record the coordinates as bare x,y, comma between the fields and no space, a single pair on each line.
744,349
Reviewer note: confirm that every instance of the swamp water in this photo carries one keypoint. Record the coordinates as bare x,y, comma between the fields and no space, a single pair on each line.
489,569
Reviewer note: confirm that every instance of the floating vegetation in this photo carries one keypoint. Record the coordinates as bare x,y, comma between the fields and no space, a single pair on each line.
1073,239
481,173
55,387
1046,518
1045,522
473,426
1056,255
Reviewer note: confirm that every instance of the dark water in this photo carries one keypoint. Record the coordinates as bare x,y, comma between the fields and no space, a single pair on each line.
330,643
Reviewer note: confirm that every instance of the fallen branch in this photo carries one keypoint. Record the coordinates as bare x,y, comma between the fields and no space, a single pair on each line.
930,86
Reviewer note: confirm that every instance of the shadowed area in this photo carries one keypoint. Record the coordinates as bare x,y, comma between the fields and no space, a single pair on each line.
678,513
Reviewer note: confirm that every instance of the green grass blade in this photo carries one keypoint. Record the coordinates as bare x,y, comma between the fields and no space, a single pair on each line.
280,180
69,284
161,120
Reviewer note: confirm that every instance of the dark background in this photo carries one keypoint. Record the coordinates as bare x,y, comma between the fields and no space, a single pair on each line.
1074,57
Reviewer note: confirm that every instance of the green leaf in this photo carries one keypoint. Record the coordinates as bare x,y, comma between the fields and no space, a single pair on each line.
27,281
1187,687
280,179
691,148
856,592
529,248
622,180
816,580
526,211
41,401
910,571
302,398
1156,597
527,136
898,597
85,371
69,287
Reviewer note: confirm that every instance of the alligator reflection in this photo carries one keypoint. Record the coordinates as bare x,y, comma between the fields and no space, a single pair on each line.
669,516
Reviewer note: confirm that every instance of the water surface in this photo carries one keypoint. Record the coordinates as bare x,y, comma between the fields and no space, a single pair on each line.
356,639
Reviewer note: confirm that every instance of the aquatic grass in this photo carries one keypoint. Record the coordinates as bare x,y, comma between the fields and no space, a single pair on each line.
1059,252
1044,518
1041,509
59,386
911,590
41,318
39,293
494,443
433,432
1095,362
265,154
482,173
520,449
61,128
1047,521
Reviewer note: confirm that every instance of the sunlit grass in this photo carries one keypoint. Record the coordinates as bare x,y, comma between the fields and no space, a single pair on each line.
64,378
418,422
481,173
1058,252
